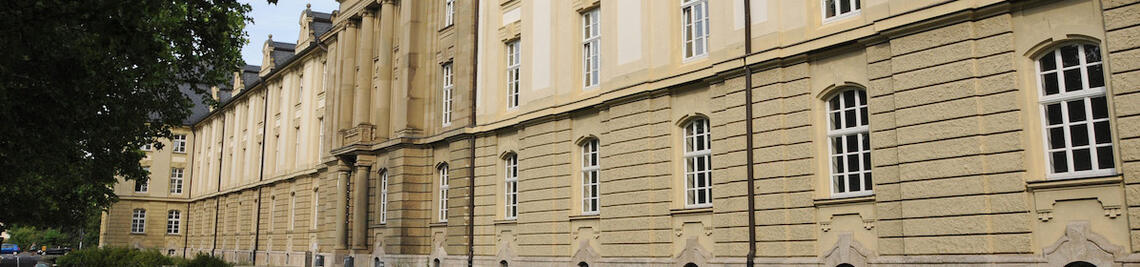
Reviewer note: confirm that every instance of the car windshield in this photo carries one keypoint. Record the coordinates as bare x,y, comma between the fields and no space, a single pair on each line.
9,246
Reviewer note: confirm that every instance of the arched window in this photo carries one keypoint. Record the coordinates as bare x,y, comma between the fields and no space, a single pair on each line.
590,170
1075,110
845,265
1079,264
443,186
511,190
691,264
583,264
698,163
384,196
850,143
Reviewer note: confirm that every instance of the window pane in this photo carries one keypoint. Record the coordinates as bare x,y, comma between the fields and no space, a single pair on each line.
867,181
1082,160
835,103
853,180
837,144
863,116
1050,81
1079,135
836,121
1070,56
866,141
859,5
839,184
1104,157
1056,138
839,164
852,163
849,118
1076,110
1103,134
849,98
866,160
1099,108
1047,62
1053,114
844,6
1060,163
1092,54
852,143
1096,76
830,7
1073,80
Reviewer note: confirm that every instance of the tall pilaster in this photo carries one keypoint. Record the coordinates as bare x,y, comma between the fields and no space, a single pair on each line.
363,71
360,202
380,104
346,45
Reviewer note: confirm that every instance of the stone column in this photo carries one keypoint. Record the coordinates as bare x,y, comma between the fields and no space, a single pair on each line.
347,48
360,202
363,71
380,107
341,173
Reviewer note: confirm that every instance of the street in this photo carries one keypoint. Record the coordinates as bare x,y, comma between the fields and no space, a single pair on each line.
24,259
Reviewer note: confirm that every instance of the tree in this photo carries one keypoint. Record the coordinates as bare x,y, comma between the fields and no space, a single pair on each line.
84,84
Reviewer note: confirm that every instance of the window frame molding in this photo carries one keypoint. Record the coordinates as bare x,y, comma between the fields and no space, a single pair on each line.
447,92
176,222
684,124
139,220
513,66
510,181
444,181
830,93
590,79
583,146
838,16
704,39
383,213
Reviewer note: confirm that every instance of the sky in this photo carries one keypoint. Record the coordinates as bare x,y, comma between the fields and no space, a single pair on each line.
280,20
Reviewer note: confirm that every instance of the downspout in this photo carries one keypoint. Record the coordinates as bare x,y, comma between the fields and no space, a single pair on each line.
751,257
260,177
471,163
218,199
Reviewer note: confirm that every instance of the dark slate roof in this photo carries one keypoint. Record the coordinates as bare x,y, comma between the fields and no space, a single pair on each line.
249,75
322,22
281,52
198,109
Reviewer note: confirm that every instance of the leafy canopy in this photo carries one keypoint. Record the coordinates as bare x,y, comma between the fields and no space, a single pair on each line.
84,84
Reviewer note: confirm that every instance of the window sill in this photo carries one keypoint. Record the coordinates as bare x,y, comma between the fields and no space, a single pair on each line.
842,16
692,210
845,200
169,234
506,221
133,233
583,217
692,59
1073,182
438,224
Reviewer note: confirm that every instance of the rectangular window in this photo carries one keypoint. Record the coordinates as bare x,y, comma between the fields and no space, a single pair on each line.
448,12
180,143
837,9
695,28
590,172
448,89
1076,113
850,145
513,74
512,187
138,221
591,37
698,164
147,147
173,222
443,186
384,196
176,180
143,187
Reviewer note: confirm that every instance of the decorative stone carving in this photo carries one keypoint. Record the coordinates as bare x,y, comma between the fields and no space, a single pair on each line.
847,250
1080,243
505,253
1044,215
585,253
360,134
1112,212
437,251
693,253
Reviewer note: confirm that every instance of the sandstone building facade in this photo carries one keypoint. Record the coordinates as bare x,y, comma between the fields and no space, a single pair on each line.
668,133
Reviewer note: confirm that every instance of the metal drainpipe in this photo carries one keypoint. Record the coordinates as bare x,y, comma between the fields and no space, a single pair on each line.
218,199
260,177
750,260
471,163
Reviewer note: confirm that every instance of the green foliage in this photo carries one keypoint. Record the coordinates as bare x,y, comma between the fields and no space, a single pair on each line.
84,84
205,260
124,257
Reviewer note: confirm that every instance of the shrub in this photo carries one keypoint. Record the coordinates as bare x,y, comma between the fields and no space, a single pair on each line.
205,260
114,257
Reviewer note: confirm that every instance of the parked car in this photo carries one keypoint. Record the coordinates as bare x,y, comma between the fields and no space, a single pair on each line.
9,249
55,251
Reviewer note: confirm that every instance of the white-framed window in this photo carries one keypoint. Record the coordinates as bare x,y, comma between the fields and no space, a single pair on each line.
1075,112
513,55
179,143
590,176
698,164
138,221
511,190
293,211
315,206
694,27
384,196
173,222
176,180
147,147
143,187
591,39
849,141
448,90
443,186
448,12
838,9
